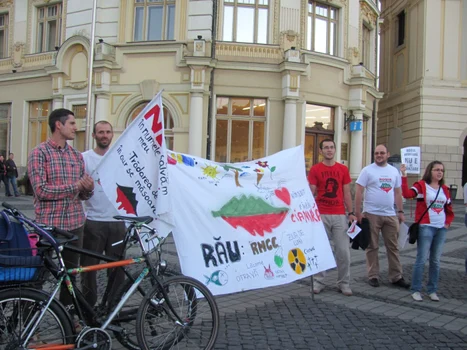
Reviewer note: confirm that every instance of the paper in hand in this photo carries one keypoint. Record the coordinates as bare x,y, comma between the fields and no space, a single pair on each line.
353,230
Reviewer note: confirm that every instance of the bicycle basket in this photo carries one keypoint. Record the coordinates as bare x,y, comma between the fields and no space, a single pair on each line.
15,268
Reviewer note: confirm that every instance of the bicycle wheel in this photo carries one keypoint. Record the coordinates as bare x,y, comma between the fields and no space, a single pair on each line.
126,318
158,328
19,310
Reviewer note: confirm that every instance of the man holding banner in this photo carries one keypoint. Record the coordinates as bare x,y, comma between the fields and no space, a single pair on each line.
330,184
101,230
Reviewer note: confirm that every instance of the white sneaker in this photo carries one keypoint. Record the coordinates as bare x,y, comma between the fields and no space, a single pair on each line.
417,296
434,297
318,287
345,290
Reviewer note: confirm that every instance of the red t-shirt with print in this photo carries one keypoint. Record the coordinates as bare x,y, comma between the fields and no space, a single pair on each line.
329,181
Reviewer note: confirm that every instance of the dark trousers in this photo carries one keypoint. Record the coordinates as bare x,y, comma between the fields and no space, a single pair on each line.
4,179
99,237
71,261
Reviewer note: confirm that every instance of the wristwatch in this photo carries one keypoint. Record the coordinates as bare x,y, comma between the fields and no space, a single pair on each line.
400,212
351,213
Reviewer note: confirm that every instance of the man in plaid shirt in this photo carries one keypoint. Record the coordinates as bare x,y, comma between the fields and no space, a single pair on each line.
58,177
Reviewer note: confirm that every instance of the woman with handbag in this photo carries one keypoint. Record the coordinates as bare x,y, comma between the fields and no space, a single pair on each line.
434,215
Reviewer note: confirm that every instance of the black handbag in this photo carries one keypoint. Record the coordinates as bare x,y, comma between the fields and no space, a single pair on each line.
415,227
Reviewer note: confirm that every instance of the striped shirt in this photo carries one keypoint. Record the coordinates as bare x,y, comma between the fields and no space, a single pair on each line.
53,172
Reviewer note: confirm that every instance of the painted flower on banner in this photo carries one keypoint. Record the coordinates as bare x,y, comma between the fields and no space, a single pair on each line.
260,171
254,214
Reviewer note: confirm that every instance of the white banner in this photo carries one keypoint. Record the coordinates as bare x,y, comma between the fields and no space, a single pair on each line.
133,173
246,225
410,156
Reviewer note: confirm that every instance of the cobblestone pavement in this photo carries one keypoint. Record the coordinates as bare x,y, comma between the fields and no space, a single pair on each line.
288,317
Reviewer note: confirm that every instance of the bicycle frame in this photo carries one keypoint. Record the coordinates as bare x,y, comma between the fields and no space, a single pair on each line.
63,275
67,280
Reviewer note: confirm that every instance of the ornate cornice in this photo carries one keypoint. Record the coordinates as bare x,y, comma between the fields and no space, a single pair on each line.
248,52
368,14
18,54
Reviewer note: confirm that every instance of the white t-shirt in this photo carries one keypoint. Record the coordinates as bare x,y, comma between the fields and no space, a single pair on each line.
379,183
436,212
98,207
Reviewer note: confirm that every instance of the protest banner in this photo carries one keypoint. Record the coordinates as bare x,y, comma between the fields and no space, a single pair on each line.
133,173
410,156
246,225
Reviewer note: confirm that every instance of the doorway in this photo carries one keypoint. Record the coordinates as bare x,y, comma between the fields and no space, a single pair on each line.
319,126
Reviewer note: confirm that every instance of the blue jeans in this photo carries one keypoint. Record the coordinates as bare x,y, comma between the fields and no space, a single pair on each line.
12,180
430,243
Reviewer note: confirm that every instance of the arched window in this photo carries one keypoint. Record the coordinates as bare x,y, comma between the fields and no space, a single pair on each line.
168,123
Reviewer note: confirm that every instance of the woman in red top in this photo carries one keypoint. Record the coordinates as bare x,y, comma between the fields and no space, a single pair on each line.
433,225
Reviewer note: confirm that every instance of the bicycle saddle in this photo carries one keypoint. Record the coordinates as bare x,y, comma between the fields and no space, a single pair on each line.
144,219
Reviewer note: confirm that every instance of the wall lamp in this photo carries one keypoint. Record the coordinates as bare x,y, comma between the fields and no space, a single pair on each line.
348,119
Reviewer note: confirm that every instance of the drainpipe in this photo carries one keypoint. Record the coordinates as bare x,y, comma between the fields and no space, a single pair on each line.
211,80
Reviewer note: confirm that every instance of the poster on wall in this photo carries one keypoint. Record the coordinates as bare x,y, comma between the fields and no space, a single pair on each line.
242,226
410,156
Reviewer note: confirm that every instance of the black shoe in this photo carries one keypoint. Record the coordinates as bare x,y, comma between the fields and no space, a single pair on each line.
9,195
402,283
373,282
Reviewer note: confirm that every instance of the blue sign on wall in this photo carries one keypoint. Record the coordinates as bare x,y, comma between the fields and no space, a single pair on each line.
356,125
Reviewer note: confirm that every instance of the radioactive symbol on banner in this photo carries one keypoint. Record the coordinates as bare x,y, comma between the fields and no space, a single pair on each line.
297,260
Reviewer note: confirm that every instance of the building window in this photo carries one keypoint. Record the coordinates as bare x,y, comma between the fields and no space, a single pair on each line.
400,27
168,124
154,20
366,46
246,21
49,27
319,126
322,27
240,129
80,112
5,118
3,35
38,122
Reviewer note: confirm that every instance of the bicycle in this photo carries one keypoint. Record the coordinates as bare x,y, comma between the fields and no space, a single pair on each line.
178,312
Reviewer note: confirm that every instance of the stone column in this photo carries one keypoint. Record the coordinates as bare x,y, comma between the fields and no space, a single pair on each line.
356,148
289,135
57,102
195,136
291,68
102,108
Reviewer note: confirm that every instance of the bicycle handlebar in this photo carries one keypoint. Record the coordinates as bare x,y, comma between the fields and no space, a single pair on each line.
65,234
40,227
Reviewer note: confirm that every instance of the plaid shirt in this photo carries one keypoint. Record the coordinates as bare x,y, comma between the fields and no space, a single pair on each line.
53,172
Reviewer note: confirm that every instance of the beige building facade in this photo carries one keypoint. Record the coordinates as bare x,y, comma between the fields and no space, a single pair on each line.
241,79
424,80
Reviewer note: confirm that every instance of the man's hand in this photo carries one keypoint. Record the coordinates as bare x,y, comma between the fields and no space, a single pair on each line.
352,218
403,170
401,217
359,217
86,184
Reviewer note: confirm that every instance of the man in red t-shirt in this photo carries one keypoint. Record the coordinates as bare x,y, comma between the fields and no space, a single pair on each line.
330,184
